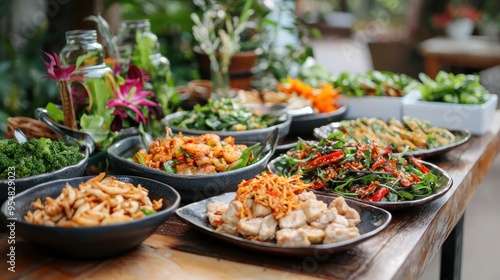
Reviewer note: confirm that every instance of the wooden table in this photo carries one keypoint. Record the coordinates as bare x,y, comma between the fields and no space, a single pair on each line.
402,251
476,52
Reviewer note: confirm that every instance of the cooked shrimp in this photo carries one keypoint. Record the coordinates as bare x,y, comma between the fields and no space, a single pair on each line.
232,153
197,150
192,155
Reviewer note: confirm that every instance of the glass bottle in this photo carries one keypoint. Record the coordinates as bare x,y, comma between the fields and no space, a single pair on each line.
138,45
94,77
133,33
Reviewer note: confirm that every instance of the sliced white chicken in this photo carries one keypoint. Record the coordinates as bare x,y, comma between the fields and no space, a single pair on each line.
292,238
216,207
313,209
214,213
215,220
341,220
340,204
306,195
336,233
227,228
249,228
229,216
325,219
352,217
315,235
296,219
260,210
268,228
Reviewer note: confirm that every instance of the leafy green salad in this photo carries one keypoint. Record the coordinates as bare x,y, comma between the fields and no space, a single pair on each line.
223,114
363,171
453,88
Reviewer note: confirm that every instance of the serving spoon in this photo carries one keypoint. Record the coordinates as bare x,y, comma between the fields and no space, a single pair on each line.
70,135
20,136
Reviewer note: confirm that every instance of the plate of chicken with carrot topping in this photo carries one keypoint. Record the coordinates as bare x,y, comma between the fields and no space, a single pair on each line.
278,215
342,166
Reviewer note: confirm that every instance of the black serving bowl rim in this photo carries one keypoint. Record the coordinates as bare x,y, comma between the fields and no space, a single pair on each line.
286,122
174,205
265,159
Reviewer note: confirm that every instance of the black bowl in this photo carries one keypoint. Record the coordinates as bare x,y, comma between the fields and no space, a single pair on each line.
251,135
19,185
305,124
191,187
89,242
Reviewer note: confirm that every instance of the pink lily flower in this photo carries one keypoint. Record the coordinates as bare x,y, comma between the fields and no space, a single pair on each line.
56,71
131,95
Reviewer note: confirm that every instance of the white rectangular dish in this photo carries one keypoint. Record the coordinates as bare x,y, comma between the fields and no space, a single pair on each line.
383,107
475,118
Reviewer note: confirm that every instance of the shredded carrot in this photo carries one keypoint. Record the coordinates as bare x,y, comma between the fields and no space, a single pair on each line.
324,100
273,191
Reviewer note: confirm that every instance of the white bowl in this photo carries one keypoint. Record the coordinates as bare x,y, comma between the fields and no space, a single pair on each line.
384,107
475,118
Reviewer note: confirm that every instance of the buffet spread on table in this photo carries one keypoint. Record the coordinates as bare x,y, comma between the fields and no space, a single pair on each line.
332,177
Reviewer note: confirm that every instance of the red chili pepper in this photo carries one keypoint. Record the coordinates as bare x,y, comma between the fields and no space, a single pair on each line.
379,162
325,160
380,193
415,177
317,184
386,151
420,166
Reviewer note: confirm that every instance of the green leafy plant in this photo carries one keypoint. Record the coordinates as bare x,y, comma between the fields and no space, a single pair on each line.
453,88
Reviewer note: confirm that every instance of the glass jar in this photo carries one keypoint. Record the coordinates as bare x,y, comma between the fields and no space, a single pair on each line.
132,33
139,46
82,42
88,95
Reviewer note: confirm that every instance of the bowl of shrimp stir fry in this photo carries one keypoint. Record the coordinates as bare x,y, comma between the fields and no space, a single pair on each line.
197,167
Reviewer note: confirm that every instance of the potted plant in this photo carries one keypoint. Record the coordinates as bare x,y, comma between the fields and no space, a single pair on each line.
228,33
458,20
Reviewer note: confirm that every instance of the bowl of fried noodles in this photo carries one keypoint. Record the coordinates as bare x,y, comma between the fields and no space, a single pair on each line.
91,217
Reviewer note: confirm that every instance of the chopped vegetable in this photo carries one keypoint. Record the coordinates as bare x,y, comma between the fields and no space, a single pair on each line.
375,83
364,171
324,99
223,114
37,156
451,88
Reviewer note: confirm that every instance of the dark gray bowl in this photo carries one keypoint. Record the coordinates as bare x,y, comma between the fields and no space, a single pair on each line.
305,124
254,135
22,184
90,242
190,187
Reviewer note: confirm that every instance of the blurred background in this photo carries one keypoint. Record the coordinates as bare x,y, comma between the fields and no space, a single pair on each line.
343,35
388,29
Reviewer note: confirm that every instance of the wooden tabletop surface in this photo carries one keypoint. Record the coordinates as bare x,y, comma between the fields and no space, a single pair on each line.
176,251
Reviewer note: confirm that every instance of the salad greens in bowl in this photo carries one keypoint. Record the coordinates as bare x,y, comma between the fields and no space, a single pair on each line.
339,165
227,117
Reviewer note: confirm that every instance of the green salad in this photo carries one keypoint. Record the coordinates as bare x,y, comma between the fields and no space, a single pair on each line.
375,83
453,88
357,170
223,114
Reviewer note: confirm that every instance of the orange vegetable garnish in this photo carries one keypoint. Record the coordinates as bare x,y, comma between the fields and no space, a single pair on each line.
324,99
